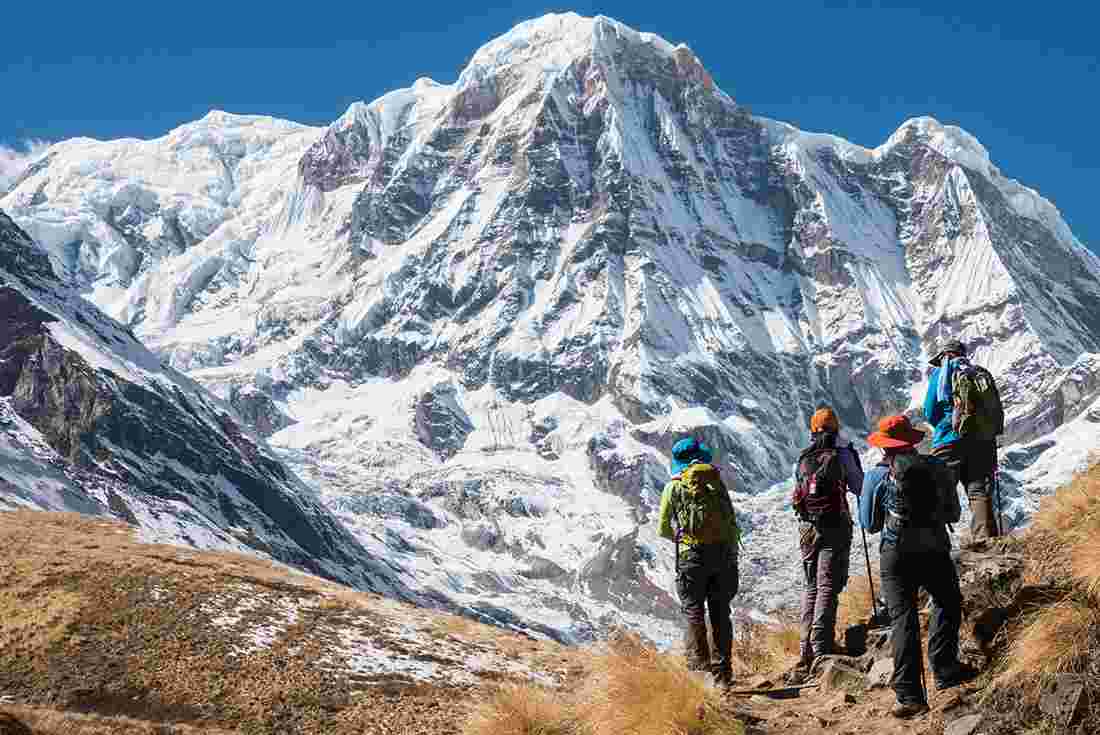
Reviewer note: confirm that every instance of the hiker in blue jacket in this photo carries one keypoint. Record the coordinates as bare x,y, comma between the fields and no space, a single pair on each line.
973,459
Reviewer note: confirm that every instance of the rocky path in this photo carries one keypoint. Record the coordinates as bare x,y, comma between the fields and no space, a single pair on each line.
860,713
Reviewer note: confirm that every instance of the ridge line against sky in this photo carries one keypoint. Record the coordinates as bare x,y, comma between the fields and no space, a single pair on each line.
1018,80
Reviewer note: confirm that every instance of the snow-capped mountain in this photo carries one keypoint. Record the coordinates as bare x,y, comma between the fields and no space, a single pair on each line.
475,317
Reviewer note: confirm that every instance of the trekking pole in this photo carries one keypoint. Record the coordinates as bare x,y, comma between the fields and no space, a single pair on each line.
920,662
867,558
870,579
997,489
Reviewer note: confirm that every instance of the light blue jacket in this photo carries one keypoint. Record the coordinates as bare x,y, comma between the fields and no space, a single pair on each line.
939,412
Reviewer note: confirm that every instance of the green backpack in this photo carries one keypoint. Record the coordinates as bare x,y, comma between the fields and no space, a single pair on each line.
976,405
703,509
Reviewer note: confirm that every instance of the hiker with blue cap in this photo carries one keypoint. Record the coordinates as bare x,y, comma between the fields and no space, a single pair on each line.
964,406
697,514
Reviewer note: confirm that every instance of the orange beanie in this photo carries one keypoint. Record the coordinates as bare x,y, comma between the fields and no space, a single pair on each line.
824,420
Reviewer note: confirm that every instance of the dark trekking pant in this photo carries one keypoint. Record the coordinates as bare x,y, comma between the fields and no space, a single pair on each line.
903,573
707,580
974,462
826,548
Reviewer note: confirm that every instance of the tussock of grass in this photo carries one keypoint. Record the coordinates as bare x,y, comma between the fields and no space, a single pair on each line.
1085,565
1074,511
763,647
1058,639
629,688
523,709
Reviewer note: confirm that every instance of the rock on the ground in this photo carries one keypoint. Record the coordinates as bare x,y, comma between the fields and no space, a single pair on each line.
1064,698
964,725
838,676
880,673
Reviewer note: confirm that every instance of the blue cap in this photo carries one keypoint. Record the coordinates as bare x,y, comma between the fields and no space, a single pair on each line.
687,452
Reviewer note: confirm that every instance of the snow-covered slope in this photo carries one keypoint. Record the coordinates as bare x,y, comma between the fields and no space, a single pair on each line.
91,421
474,317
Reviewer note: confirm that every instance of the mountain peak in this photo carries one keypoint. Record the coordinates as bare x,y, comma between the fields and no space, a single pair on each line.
951,141
550,43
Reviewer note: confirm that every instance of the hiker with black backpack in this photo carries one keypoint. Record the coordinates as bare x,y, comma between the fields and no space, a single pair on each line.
911,498
964,407
697,514
824,474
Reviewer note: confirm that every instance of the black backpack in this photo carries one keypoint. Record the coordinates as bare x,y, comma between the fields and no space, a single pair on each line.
819,483
925,494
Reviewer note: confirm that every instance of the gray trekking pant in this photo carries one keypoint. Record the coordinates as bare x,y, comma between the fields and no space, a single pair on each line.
825,547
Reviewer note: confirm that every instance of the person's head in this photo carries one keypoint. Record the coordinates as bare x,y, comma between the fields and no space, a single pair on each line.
896,435
949,349
824,421
689,451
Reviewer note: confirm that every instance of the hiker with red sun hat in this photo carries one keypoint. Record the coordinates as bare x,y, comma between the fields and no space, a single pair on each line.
911,498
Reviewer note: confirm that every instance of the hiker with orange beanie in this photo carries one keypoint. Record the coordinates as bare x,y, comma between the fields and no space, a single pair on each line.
824,474
911,498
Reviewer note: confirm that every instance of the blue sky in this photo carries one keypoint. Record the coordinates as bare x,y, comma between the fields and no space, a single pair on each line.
1023,78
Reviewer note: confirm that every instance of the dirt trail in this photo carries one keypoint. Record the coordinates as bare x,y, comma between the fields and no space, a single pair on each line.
815,711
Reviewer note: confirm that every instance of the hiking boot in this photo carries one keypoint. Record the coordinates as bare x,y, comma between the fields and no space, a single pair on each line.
958,674
905,710
722,678
798,675
698,646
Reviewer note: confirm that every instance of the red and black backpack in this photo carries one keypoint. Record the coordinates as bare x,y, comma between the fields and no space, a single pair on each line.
819,483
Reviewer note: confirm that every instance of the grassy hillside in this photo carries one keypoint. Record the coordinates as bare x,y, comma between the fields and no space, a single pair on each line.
92,621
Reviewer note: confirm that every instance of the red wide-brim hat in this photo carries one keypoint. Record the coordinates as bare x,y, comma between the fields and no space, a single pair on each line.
895,432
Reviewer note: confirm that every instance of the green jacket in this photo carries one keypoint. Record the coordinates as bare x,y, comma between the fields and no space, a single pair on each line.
666,522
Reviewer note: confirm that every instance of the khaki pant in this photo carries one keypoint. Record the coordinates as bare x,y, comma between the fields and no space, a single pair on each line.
826,549
974,463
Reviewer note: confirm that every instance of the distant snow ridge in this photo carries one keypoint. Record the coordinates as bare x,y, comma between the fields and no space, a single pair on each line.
473,318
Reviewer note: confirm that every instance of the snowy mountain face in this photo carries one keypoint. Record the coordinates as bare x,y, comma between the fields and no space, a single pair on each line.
473,318
91,421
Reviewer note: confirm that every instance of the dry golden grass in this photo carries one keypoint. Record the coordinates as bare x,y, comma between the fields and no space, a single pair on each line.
627,688
763,648
1069,524
1074,510
854,603
1059,639
523,709
1085,565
